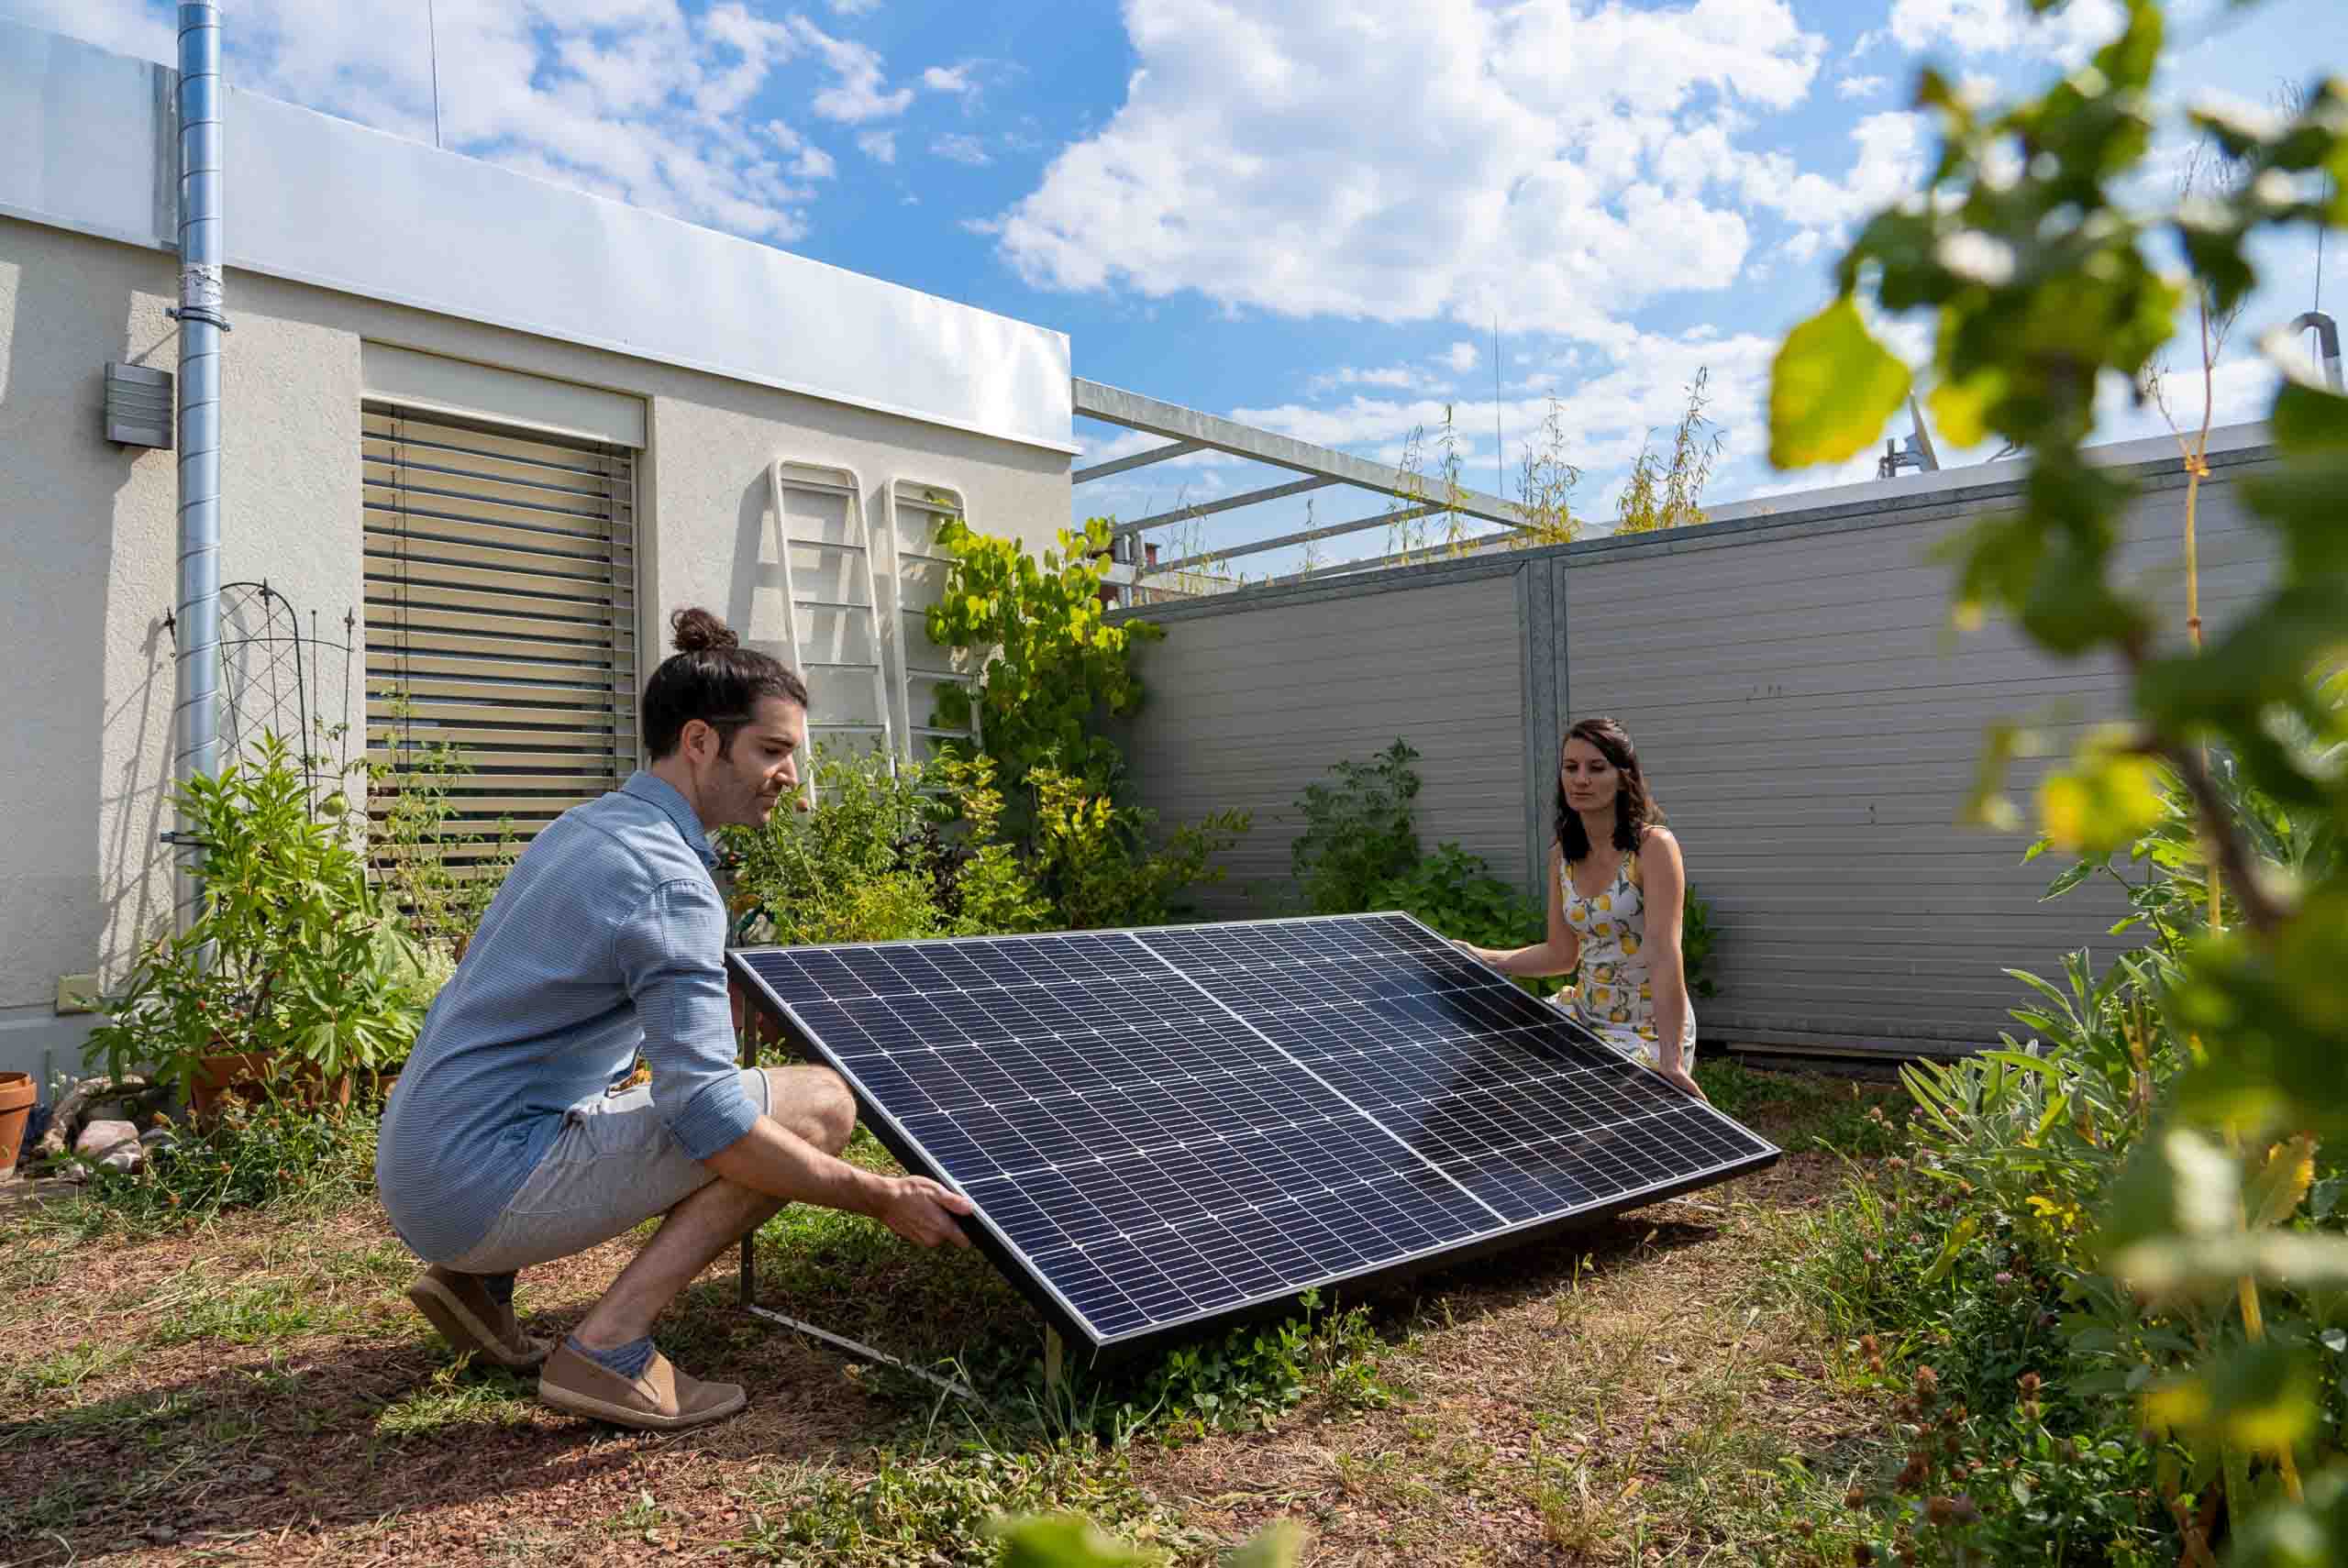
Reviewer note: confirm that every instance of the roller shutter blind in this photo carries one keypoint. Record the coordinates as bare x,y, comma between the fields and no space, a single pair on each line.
500,611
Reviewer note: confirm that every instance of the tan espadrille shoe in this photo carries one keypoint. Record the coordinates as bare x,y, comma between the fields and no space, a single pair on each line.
660,1399
458,1305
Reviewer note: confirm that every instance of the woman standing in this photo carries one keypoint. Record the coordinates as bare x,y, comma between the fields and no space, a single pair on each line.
1615,885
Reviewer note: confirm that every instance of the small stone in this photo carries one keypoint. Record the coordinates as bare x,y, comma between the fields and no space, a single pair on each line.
100,1136
122,1157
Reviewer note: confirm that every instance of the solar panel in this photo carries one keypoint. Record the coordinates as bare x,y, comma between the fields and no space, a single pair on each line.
1165,1126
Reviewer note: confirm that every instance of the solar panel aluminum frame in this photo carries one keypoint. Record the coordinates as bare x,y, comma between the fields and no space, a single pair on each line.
1061,1315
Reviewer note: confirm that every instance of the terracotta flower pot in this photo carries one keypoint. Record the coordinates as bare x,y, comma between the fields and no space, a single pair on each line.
17,1095
252,1073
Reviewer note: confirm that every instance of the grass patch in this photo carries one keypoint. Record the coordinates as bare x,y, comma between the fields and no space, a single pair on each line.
66,1370
460,1395
916,1507
1810,1111
201,1307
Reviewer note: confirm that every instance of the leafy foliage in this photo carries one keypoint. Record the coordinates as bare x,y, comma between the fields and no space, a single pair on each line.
1050,666
2042,281
1989,1256
291,956
916,850
865,866
1092,864
1359,832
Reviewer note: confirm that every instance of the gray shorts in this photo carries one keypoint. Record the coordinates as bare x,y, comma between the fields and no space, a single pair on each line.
614,1166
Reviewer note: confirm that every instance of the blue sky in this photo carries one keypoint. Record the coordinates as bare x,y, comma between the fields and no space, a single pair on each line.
1301,215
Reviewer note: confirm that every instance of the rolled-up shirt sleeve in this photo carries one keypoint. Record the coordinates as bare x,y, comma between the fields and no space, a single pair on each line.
670,953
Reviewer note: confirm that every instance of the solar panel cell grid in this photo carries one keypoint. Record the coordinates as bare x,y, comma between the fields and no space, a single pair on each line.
1162,1126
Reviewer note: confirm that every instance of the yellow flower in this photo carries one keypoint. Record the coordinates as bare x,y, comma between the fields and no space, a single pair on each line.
1602,902
1630,942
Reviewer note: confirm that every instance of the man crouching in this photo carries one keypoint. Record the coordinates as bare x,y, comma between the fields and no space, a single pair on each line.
504,1144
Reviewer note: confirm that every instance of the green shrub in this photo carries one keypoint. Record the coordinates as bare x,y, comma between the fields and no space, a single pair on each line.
1455,893
864,865
916,850
292,955
1980,1259
1092,863
1359,832
1050,666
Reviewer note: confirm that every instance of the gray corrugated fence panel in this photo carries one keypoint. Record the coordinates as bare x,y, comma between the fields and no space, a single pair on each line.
1539,592
1245,710
1812,727
1808,717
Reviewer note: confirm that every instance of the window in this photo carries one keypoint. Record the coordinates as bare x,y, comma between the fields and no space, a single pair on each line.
500,611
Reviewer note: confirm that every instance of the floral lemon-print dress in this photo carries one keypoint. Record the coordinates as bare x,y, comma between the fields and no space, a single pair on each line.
1613,993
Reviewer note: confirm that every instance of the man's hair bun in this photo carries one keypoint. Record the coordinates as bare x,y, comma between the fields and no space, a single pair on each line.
697,631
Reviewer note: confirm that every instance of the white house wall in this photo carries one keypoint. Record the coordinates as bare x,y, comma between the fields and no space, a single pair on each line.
88,568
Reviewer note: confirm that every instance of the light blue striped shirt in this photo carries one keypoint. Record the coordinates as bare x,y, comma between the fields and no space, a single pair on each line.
608,937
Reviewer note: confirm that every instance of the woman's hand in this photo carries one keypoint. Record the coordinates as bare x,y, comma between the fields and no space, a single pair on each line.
1686,1080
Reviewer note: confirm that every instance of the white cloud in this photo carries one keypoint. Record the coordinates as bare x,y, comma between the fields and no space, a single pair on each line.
881,145
1257,160
858,95
125,28
962,150
1859,86
638,100
954,79
811,163
1461,357
2004,27
854,7
1399,378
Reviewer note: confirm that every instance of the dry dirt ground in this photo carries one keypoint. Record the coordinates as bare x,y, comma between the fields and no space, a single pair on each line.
1647,1390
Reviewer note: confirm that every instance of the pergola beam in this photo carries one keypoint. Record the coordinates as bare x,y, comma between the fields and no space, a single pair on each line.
1228,503
1139,459
1301,537
1134,411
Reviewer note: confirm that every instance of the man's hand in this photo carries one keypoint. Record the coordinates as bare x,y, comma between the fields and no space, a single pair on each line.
922,1211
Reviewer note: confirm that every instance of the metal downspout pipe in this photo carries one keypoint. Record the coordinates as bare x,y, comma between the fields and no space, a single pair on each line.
196,615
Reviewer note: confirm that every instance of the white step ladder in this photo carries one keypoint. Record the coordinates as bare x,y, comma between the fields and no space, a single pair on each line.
917,572
847,597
